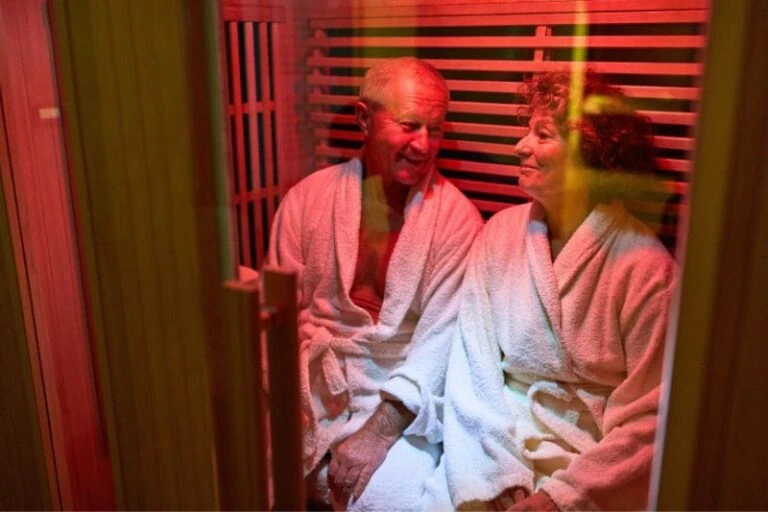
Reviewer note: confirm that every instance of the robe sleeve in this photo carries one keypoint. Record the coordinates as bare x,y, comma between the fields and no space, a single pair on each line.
481,459
614,474
419,381
285,240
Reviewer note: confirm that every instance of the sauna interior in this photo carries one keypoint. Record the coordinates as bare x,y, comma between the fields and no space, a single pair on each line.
145,147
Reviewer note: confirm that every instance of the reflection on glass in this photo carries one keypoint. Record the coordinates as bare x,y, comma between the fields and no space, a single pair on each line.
563,312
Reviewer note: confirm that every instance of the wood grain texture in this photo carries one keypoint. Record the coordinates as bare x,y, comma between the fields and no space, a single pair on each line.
24,443
142,134
58,340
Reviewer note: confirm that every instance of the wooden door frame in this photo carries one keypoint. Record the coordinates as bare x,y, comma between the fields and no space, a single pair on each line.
720,330
26,438
140,87
47,269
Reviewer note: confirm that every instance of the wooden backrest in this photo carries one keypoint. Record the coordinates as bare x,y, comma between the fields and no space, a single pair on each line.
651,49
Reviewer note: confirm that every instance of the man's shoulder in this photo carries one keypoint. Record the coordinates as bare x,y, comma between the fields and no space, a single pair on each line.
457,203
320,179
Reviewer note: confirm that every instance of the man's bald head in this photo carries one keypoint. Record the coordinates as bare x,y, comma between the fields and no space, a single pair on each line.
380,79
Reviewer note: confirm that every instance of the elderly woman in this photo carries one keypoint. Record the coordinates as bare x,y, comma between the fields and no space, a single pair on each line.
554,377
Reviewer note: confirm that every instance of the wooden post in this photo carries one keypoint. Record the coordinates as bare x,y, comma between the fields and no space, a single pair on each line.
284,397
238,400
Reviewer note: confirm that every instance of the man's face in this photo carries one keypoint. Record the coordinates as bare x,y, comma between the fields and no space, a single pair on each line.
403,136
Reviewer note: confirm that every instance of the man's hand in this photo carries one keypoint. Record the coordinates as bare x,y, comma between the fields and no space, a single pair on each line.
355,459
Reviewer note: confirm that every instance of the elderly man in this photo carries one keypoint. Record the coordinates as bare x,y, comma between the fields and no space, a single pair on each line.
379,243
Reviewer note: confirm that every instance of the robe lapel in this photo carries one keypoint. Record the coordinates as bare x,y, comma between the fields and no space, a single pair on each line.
539,260
411,252
586,241
347,209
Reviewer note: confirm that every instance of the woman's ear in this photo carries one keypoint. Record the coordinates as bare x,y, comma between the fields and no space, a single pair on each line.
363,114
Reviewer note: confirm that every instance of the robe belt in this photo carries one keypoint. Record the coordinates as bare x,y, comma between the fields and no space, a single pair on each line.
546,395
330,348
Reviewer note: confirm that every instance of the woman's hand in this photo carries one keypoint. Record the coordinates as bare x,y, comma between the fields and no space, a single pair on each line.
508,498
537,501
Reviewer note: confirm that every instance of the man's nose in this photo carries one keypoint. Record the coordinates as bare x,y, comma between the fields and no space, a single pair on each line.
420,141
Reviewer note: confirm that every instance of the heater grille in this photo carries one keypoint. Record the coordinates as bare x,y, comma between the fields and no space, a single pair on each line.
252,58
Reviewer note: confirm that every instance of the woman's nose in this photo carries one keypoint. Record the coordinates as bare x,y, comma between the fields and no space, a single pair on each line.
522,148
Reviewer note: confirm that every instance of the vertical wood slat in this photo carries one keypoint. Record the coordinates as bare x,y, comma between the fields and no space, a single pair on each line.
239,157
541,31
253,198
321,160
284,396
284,176
137,259
268,108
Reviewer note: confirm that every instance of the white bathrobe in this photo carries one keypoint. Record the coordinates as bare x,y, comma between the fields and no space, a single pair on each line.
554,378
351,360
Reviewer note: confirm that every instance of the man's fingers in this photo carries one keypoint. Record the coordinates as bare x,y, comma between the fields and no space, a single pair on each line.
352,476
362,482
341,476
333,467
339,497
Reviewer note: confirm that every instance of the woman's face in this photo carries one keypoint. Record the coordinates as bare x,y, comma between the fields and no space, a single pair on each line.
543,154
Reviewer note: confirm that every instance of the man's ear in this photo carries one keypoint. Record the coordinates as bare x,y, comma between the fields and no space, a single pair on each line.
363,114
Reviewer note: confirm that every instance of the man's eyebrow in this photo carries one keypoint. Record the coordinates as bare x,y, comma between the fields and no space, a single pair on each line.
408,117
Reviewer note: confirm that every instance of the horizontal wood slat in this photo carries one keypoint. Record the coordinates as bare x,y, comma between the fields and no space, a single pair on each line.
678,143
416,19
511,170
502,109
251,10
622,68
511,87
591,7
508,42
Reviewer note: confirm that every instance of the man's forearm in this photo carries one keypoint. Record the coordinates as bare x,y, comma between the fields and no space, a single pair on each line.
390,420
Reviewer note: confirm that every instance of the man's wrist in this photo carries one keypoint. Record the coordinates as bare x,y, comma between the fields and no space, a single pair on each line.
389,421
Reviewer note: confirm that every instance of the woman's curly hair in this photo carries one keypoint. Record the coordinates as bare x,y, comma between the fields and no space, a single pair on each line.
613,137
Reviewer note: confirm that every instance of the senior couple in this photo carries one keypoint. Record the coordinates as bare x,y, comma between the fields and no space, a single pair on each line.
450,365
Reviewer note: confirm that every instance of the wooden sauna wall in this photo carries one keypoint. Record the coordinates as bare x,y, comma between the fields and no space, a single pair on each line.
652,48
263,48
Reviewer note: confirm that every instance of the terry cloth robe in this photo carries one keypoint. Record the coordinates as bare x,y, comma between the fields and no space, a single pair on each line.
348,361
554,377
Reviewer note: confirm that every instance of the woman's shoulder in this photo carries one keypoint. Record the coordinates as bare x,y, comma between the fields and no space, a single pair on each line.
640,248
508,217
